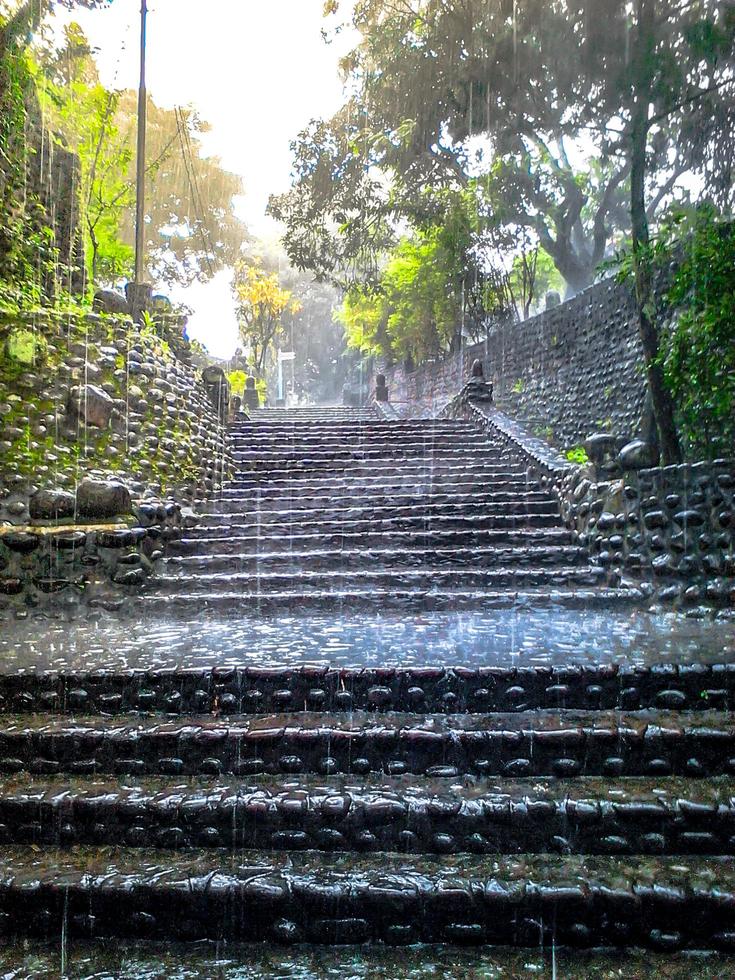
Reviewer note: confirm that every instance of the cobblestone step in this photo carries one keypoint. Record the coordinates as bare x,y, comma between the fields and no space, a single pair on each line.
310,483
376,510
383,578
294,562
232,691
364,455
208,540
562,743
402,497
413,600
382,814
481,470
528,900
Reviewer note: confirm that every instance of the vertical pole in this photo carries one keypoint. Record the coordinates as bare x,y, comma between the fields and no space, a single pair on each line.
140,177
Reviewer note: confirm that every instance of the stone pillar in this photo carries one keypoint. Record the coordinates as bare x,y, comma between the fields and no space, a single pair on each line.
477,388
251,398
381,389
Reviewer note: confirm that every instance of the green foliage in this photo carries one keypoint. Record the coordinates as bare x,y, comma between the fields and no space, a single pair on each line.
416,311
518,387
698,353
25,346
577,455
533,274
429,290
28,256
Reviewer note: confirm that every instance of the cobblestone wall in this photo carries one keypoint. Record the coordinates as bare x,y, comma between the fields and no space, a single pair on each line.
569,372
97,396
670,528
673,526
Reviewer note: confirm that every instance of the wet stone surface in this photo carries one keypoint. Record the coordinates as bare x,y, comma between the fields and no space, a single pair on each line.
350,900
226,961
504,638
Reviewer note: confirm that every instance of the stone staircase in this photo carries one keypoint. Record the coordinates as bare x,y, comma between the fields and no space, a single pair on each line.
339,508
577,805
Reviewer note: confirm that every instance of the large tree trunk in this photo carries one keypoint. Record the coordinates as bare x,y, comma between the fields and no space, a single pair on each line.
661,400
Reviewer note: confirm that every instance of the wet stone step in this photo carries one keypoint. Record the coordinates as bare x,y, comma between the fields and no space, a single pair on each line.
404,815
335,497
563,743
416,523
419,467
248,690
356,510
348,600
343,483
331,579
294,562
361,456
666,904
411,445
137,959
200,540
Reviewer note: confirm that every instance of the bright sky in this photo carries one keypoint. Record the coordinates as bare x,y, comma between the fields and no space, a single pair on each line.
257,71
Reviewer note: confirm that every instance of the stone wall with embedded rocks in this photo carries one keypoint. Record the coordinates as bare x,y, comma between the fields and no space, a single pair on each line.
671,529
99,396
92,564
672,526
571,371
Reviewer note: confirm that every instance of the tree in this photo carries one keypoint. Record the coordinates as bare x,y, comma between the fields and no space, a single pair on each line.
20,27
698,351
428,77
430,294
262,304
681,65
82,112
533,274
191,229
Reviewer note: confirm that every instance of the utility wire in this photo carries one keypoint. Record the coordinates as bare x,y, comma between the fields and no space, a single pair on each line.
190,167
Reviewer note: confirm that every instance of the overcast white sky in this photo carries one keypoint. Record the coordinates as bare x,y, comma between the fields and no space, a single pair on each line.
257,71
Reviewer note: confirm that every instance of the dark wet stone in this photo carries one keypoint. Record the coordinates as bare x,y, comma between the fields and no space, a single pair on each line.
102,499
50,505
21,542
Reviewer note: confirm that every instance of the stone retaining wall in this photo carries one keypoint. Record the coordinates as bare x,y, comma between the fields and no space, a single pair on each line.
671,528
571,371
97,395
97,565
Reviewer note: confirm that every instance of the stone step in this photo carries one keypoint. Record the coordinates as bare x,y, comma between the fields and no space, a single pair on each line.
348,600
367,510
135,959
254,456
231,691
293,562
215,540
336,579
330,899
400,814
252,524
252,487
425,468
410,444
328,499
561,743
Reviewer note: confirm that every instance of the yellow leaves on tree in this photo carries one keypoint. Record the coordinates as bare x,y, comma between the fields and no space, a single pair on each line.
262,305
